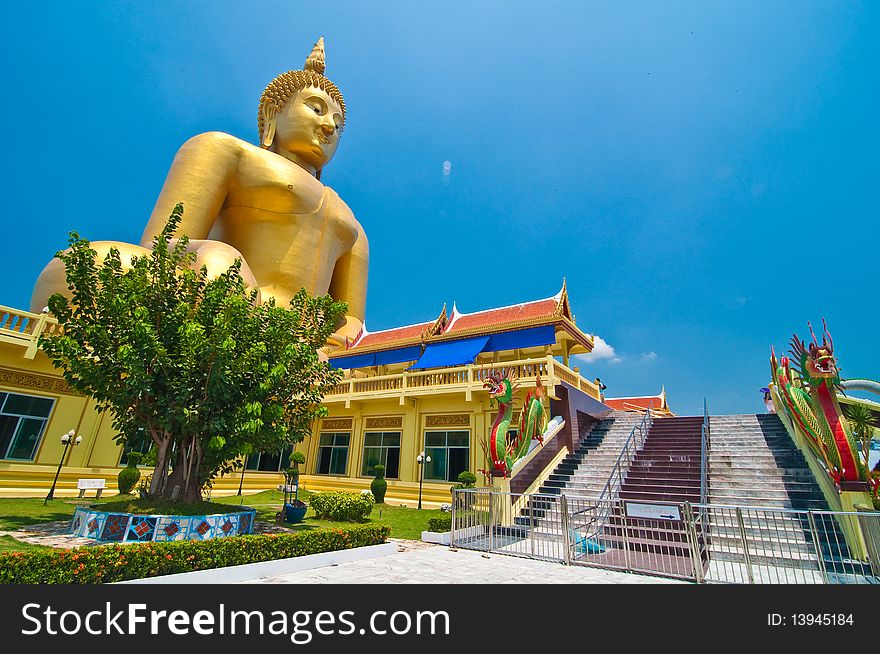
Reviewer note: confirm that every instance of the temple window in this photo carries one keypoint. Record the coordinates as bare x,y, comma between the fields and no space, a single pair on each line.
277,461
23,420
140,442
381,448
449,452
333,453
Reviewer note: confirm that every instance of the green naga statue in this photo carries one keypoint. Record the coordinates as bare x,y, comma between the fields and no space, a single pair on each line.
808,387
501,454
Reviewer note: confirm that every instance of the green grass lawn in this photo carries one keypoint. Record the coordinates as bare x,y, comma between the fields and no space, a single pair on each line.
21,512
10,544
404,522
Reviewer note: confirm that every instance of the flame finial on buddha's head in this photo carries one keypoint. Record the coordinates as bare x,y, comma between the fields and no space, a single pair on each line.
315,60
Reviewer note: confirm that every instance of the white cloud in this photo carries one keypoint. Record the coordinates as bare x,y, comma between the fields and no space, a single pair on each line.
601,350
649,356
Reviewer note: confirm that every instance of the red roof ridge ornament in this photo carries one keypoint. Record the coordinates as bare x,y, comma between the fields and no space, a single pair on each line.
563,308
453,318
439,324
561,293
357,339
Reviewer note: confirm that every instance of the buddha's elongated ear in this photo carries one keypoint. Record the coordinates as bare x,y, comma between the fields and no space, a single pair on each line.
268,110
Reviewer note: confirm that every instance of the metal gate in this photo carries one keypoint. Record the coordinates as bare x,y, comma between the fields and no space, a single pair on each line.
698,542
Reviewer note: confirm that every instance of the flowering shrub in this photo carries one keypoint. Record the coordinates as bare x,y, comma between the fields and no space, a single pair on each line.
342,506
109,563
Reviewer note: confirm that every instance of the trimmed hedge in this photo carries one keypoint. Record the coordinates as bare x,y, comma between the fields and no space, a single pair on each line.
342,506
108,563
441,524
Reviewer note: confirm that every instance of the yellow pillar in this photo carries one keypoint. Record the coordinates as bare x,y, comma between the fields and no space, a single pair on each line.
850,501
502,501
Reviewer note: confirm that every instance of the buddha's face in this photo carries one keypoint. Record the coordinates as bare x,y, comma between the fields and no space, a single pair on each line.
308,128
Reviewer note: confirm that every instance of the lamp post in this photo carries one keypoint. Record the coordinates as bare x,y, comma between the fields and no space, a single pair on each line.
422,459
68,440
243,468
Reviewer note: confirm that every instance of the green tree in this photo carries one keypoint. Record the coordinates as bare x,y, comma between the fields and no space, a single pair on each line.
207,371
862,422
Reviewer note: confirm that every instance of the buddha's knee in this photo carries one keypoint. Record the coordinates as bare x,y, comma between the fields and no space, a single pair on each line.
53,278
217,257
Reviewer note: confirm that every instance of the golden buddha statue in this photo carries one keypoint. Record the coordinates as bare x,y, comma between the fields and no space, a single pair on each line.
265,205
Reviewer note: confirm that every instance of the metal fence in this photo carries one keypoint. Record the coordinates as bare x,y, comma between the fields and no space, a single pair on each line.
699,542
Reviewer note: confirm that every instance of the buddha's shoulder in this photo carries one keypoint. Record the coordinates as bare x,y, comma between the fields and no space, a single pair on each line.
342,208
219,142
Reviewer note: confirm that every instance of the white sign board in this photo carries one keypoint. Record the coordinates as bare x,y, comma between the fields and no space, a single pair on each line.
86,484
653,511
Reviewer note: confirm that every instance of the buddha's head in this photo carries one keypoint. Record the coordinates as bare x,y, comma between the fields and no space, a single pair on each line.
302,114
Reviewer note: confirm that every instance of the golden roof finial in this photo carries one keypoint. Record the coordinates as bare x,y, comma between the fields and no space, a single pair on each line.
315,60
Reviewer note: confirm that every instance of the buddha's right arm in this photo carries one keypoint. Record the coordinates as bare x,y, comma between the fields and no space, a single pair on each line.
199,178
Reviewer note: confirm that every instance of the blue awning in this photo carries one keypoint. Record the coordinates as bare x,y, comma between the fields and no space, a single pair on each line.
532,337
451,353
399,355
356,361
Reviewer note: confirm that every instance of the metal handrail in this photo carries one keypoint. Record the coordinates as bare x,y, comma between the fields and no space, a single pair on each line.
628,452
630,448
702,514
705,443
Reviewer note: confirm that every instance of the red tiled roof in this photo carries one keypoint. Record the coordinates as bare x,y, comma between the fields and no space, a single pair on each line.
627,403
527,311
553,310
395,335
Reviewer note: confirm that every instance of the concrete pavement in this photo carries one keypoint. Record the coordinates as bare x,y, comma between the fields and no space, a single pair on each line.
422,563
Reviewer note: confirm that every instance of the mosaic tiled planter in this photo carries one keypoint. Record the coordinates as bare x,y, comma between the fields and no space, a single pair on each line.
132,527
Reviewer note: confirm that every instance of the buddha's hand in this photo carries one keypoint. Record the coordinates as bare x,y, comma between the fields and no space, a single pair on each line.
350,330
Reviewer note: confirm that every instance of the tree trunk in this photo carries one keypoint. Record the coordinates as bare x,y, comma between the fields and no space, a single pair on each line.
160,471
185,476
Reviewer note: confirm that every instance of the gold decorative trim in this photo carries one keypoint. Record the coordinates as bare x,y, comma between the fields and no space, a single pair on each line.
450,420
35,381
336,423
391,422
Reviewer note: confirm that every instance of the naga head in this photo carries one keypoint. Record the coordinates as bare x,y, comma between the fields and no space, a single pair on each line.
816,361
500,387
821,362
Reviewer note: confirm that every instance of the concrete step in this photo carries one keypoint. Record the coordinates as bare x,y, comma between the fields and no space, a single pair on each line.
752,485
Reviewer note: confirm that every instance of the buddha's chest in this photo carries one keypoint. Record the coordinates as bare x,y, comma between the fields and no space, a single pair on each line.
282,214
271,183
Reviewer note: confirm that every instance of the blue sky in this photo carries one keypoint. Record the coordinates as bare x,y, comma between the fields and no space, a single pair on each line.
700,172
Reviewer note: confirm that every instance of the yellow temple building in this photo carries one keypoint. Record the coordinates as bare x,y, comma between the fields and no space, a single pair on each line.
406,391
